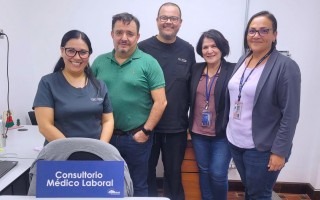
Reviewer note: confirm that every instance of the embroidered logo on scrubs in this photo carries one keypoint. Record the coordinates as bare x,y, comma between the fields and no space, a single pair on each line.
182,60
94,99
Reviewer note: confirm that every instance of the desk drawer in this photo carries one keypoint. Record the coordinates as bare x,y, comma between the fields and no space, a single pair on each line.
189,166
190,182
190,175
189,154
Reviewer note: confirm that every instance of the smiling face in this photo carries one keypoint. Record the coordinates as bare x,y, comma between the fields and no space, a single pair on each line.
75,64
169,28
210,52
125,37
261,43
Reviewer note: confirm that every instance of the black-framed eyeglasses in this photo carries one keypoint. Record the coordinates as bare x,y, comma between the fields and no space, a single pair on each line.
173,19
71,52
262,32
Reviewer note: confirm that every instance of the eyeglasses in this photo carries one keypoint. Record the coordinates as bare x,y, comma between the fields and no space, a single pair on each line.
71,52
173,19
262,32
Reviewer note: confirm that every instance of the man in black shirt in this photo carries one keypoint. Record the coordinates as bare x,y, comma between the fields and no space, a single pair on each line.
176,58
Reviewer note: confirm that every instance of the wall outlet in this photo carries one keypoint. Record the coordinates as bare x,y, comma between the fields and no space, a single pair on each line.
1,36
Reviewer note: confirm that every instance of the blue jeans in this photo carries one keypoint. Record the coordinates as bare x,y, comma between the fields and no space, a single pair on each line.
252,166
136,156
213,159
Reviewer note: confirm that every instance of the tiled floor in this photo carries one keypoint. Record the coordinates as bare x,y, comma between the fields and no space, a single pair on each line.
240,196
293,196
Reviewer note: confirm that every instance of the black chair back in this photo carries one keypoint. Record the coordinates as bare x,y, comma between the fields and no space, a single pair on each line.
32,117
82,155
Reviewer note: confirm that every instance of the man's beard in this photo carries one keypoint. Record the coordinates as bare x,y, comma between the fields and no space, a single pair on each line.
168,36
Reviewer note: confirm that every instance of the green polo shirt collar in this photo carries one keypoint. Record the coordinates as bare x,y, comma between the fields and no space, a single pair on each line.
136,55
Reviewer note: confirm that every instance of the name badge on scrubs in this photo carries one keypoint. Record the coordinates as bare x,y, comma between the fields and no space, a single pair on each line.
237,110
206,118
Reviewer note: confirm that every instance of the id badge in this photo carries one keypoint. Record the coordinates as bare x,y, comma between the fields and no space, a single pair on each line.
206,118
237,110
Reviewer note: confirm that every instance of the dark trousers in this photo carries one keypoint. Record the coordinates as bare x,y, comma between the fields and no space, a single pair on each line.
172,147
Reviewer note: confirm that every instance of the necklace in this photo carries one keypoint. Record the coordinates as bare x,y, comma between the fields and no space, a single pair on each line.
75,81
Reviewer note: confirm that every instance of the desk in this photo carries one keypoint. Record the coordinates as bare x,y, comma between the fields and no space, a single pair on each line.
125,198
20,147
23,144
22,166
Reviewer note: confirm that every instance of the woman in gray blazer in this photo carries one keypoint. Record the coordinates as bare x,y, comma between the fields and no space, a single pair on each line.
264,98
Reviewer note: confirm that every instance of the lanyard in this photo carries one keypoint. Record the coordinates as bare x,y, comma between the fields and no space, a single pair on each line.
208,92
242,76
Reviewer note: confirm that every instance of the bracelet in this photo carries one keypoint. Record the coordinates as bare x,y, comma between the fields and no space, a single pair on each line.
146,132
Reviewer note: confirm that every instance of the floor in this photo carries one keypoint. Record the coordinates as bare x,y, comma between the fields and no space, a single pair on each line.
240,196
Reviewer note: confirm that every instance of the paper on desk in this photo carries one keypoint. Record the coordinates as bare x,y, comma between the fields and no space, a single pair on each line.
37,148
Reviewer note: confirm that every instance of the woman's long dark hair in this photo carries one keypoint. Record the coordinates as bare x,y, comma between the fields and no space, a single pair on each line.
76,34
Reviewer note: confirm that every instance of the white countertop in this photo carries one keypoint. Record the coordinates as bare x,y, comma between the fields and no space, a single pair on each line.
21,146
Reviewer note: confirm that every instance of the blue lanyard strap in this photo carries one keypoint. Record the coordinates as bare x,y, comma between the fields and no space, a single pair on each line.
242,76
211,84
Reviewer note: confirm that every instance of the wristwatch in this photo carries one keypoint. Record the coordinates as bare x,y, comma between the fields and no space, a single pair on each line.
146,132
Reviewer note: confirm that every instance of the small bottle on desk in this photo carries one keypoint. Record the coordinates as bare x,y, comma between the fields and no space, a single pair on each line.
3,136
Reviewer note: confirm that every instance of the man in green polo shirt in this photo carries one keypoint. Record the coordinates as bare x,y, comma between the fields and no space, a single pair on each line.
136,88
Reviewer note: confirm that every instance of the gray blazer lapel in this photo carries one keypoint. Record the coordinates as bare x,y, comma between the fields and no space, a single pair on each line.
265,74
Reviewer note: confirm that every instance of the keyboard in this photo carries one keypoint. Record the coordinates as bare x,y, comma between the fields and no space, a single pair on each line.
6,166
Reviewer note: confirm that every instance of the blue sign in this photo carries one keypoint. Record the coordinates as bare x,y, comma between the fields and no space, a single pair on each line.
80,179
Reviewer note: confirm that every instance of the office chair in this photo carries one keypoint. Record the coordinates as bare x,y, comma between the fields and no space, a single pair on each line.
79,149
32,117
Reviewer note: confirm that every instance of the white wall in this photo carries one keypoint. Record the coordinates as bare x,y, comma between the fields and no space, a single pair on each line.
35,28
